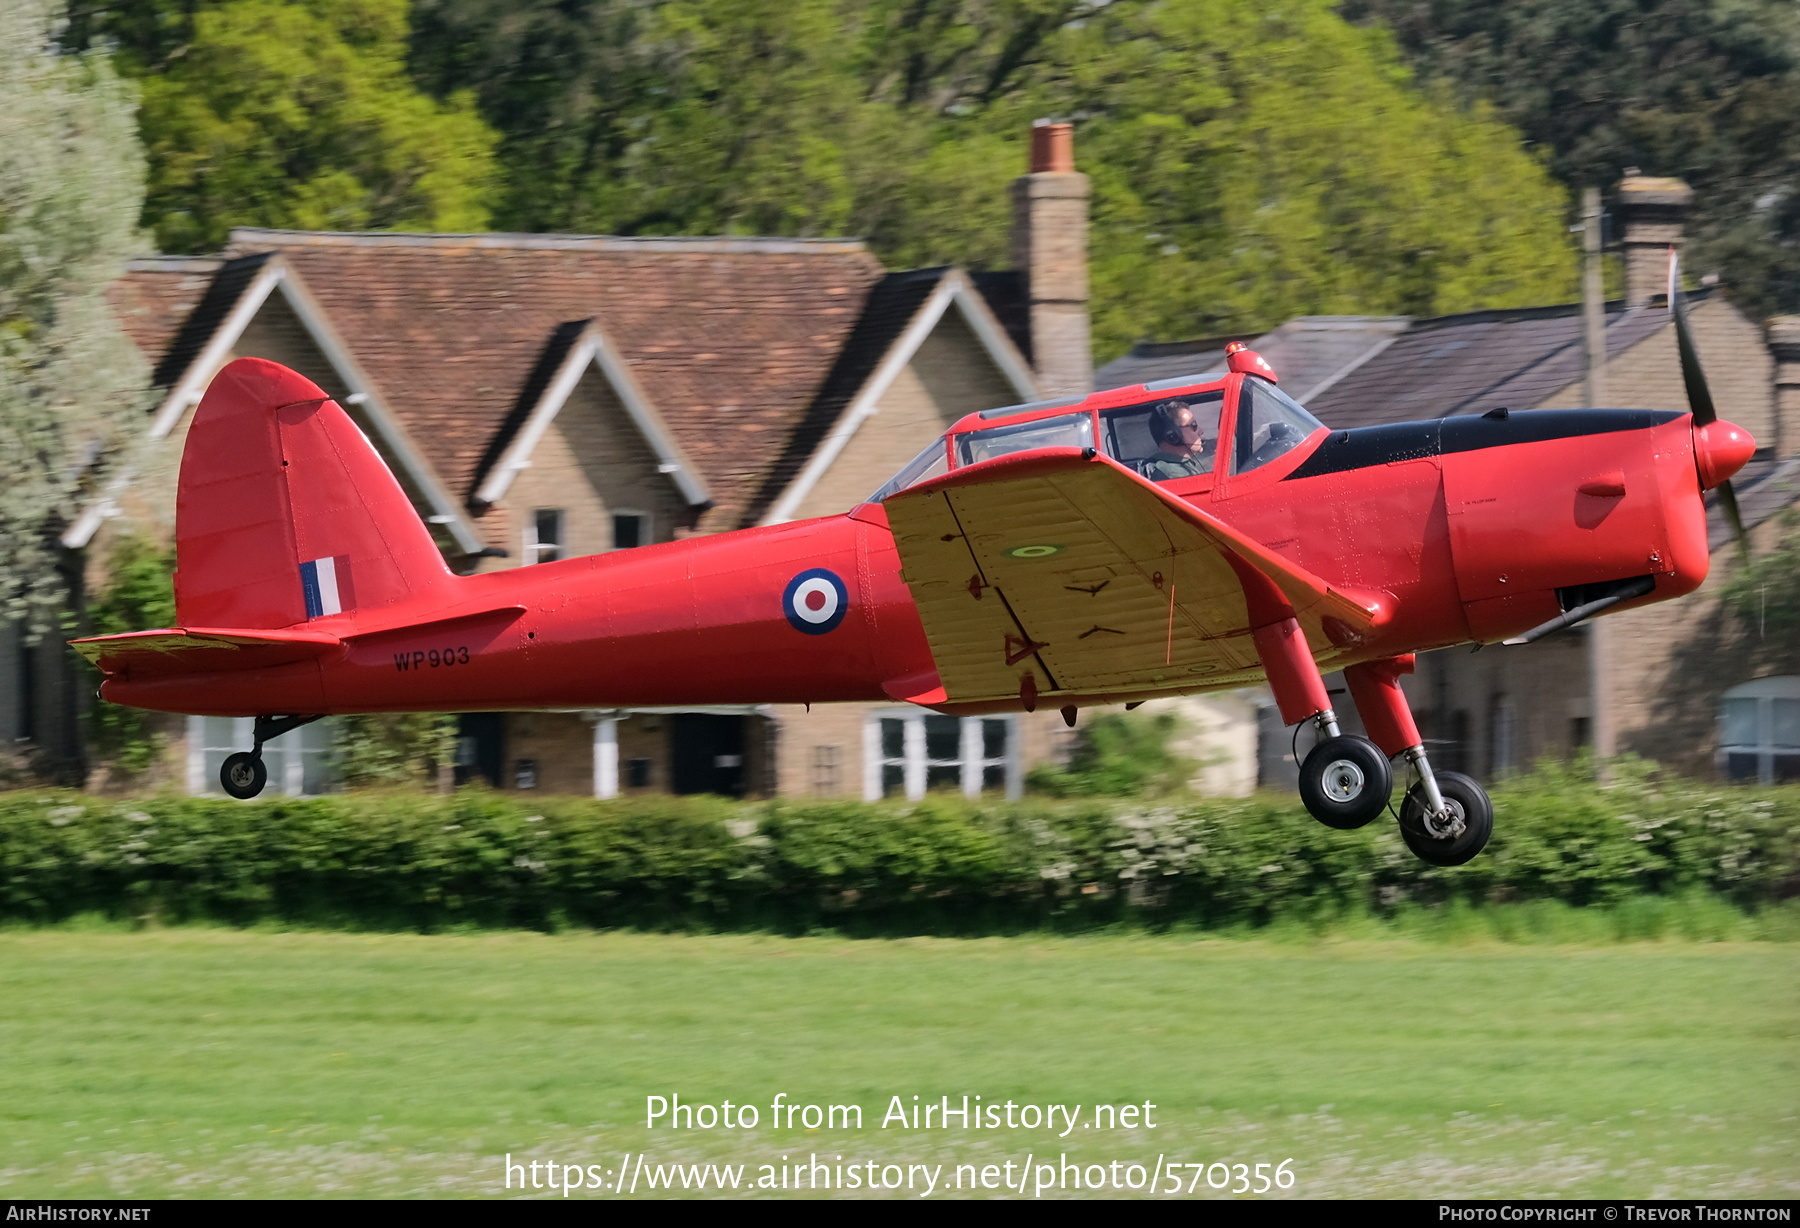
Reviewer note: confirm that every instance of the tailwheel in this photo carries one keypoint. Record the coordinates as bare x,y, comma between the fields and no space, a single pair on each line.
1345,782
1459,833
243,774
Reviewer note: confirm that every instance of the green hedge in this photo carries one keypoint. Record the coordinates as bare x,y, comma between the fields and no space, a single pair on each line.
943,866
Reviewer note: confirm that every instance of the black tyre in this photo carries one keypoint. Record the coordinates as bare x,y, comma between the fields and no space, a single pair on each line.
243,774
1345,782
1470,810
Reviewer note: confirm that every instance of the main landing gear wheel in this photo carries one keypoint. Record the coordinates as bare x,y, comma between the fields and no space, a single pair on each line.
1463,834
243,775
1345,782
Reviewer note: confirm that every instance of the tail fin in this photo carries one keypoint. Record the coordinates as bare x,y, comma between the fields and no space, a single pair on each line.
286,513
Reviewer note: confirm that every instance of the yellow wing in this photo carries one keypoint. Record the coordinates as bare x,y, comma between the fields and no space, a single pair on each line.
1061,573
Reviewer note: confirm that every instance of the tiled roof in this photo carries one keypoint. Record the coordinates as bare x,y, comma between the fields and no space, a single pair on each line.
155,295
729,338
889,308
1007,297
1306,352
228,285
1764,488
1154,360
1471,363
555,353
1312,353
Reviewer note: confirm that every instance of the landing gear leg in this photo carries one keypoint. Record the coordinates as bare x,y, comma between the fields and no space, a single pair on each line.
1344,781
1445,818
244,774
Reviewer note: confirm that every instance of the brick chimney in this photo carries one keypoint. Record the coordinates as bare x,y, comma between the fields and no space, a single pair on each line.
1653,211
1784,343
1049,248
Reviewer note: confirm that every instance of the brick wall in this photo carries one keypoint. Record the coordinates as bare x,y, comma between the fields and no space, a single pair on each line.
949,377
591,462
1739,370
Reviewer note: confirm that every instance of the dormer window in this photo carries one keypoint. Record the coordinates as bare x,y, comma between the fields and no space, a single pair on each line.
543,536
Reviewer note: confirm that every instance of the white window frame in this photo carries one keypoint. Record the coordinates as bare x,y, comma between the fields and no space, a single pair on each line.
1763,692
532,550
646,527
969,760
285,756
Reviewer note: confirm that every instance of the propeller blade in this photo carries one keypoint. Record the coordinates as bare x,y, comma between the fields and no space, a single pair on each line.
1728,501
1699,397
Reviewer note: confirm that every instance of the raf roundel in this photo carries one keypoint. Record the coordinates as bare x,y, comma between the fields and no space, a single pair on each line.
815,601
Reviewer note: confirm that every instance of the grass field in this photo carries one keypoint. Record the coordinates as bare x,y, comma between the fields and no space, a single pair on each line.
205,1063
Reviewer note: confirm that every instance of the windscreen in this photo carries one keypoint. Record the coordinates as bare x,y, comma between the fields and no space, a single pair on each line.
930,463
1270,424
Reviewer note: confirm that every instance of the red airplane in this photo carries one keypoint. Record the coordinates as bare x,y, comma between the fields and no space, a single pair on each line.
1162,539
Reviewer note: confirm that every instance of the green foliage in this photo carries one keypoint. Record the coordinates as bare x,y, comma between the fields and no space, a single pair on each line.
71,183
1118,755
1766,593
1251,161
1254,162
1702,89
299,114
394,748
944,866
140,596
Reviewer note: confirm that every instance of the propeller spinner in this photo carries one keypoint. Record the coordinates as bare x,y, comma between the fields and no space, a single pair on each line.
1720,447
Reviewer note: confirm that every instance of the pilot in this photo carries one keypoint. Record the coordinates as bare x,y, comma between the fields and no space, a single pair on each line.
1182,451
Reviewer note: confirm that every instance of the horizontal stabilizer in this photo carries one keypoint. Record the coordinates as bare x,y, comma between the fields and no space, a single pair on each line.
186,650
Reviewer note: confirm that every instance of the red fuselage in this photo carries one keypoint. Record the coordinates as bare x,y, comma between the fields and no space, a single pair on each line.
1471,525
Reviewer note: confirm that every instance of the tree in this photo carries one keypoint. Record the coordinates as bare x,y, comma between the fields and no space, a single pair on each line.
565,83
294,113
1765,591
71,186
139,595
1701,89
1251,161
1119,755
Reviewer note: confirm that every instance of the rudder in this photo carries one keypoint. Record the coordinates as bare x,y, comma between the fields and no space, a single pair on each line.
285,513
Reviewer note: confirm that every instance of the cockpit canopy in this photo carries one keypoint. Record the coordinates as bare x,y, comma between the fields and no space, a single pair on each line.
1167,431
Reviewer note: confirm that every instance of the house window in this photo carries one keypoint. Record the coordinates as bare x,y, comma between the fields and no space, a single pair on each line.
28,691
826,761
637,774
630,529
544,536
300,761
1759,731
911,753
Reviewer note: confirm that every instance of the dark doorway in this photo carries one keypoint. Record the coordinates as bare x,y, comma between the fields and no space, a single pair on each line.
708,754
480,747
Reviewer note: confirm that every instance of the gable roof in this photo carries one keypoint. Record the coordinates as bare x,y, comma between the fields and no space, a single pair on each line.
1476,361
155,295
728,338
1309,353
1364,370
890,307
575,349
899,314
